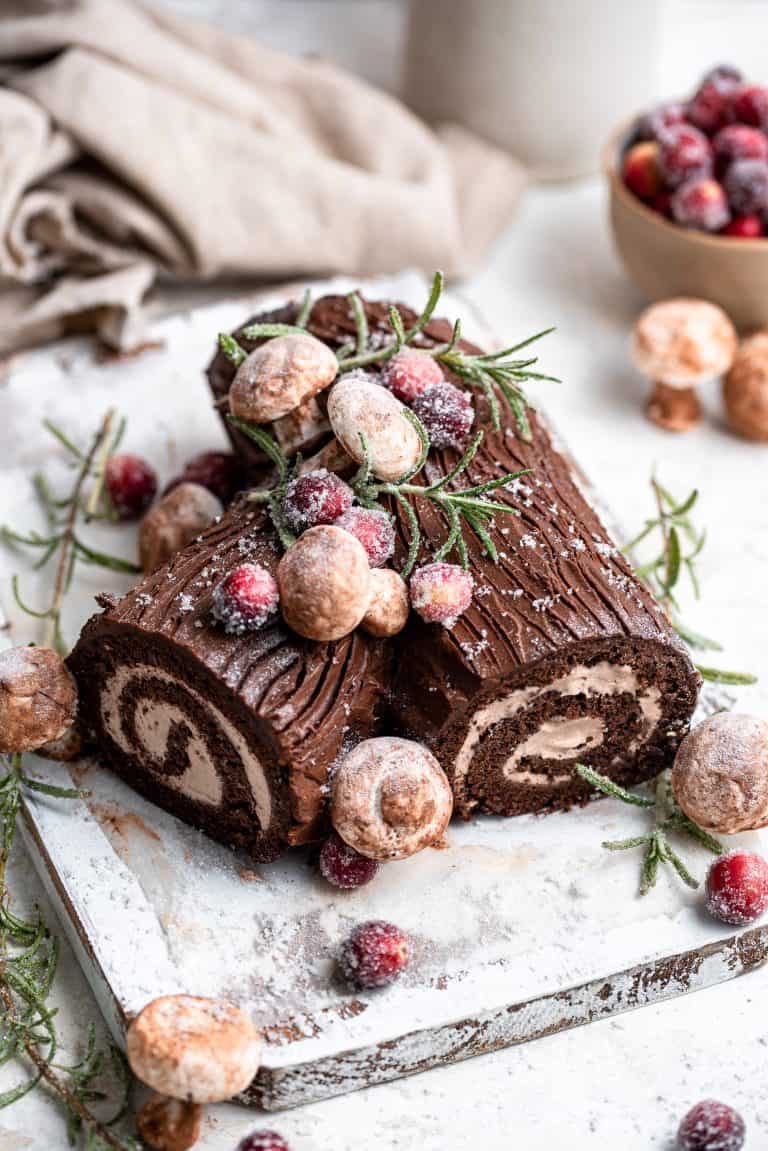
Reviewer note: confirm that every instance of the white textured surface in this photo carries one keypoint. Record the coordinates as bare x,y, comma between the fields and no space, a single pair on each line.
626,1081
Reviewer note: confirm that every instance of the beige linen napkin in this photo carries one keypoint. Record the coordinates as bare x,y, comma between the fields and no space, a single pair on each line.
136,145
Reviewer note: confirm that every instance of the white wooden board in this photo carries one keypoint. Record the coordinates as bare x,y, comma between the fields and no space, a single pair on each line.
522,927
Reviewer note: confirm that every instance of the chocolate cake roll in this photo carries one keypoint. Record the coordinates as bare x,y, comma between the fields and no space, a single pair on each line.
563,655
234,734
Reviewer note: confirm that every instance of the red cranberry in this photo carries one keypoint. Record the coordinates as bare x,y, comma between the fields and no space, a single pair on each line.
712,106
738,142
440,592
373,529
684,153
375,954
663,204
640,170
344,867
746,184
446,413
737,887
131,485
711,1126
701,204
653,124
263,1141
411,372
750,106
722,73
217,471
317,497
245,599
745,228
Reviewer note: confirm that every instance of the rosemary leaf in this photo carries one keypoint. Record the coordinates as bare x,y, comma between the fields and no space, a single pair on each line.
733,678
89,555
269,331
231,349
428,311
625,844
606,785
361,323
302,319
63,439
265,441
414,542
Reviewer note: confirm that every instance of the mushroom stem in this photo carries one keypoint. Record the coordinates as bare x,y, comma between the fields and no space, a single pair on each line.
674,409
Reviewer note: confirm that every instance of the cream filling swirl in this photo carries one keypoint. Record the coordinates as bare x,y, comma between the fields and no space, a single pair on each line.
153,722
558,738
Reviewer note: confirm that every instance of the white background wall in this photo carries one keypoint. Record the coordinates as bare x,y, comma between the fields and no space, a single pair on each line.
367,35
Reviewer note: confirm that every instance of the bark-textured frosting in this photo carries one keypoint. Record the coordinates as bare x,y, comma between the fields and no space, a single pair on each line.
235,734
563,653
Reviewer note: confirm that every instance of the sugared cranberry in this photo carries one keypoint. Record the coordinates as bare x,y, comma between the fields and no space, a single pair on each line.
745,228
263,1141
701,204
684,153
712,106
245,599
373,529
750,106
738,142
375,954
746,185
217,471
727,73
737,887
663,204
131,485
317,497
440,592
640,170
446,413
344,867
711,1126
653,124
410,373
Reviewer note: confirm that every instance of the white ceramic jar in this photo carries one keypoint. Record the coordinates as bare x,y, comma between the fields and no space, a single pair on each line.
546,79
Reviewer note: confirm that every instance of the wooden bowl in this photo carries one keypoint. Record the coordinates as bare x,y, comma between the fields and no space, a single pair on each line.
666,260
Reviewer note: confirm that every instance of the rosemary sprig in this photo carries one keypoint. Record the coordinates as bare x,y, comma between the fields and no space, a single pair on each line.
461,507
674,528
667,818
28,961
63,515
490,373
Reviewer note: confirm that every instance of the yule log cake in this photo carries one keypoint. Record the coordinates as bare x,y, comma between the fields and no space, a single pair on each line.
546,651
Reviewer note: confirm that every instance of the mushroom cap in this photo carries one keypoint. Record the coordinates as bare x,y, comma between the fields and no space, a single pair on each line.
38,698
324,581
390,798
720,775
745,389
195,1049
683,342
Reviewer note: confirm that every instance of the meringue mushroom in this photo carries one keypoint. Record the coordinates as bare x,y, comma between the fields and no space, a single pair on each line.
720,774
194,1049
745,389
280,376
358,405
324,583
38,698
389,607
180,516
390,798
679,344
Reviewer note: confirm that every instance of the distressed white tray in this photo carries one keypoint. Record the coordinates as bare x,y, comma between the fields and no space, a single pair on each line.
521,927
